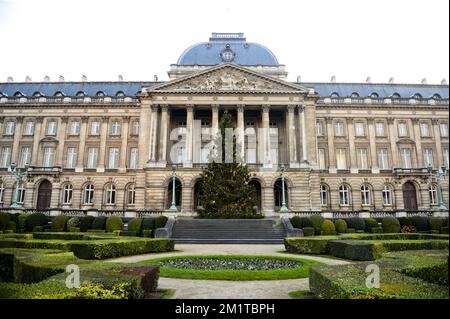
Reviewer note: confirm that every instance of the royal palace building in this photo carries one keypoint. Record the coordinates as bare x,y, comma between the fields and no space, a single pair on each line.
112,145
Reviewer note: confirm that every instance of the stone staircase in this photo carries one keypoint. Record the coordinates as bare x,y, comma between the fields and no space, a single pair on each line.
228,231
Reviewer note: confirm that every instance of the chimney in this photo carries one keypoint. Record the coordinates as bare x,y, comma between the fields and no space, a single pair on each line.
120,78
46,78
299,78
333,79
27,78
444,82
61,78
391,79
83,78
10,79
155,78
368,79
424,81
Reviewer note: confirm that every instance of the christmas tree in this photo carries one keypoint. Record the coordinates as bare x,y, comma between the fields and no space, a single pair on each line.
225,192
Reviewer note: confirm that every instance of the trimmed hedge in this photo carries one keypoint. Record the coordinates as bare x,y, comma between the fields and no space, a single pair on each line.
313,245
113,223
86,223
147,233
370,223
436,223
390,225
357,223
328,228
73,222
148,223
316,221
34,220
420,222
160,222
301,222
99,222
22,222
60,223
308,231
4,221
135,225
341,226
405,221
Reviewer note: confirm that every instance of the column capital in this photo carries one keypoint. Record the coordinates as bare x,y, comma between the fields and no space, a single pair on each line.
370,120
390,120
19,119
39,119
189,107
328,119
300,108
435,121
84,119
290,108
64,119
126,118
164,107
154,107
105,119
240,107
265,107
415,120
215,107
349,120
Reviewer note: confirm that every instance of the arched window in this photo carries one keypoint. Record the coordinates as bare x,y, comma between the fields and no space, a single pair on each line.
110,194
21,195
131,194
80,94
100,94
67,194
365,195
120,94
374,95
344,195
387,195
37,94
436,97
324,195
334,95
2,191
354,95
59,94
417,96
18,94
88,194
433,194
395,96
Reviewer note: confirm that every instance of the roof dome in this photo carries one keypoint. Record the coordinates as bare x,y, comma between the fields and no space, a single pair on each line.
227,48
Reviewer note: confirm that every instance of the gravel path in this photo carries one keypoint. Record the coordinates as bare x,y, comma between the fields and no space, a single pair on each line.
224,289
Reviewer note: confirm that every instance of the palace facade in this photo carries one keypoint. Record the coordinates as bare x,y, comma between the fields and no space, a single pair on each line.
112,145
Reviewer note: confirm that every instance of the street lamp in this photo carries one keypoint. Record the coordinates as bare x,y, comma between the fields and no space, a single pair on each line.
173,207
438,175
18,174
283,208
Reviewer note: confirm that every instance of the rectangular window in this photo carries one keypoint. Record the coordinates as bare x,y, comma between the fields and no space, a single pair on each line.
424,130
29,128
135,128
51,128
341,158
75,128
405,155
359,129
6,156
25,156
379,129
113,158
133,158
444,129
71,157
339,129
95,128
322,161
362,158
402,129
10,128
383,160
92,157
49,157
115,128
204,154
319,128
428,157
445,157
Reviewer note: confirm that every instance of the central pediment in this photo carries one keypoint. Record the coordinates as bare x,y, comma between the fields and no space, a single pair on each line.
227,78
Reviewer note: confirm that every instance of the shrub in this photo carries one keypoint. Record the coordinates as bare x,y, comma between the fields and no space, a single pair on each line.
308,231
377,230
4,220
117,232
58,235
341,226
73,222
22,222
390,225
11,226
74,229
60,223
328,228
370,223
350,230
129,233
315,245
420,222
135,225
357,223
405,221
408,229
436,223
160,222
99,222
301,222
148,223
96,231
316,221
444,230
36,219
113,223
86,223
147,233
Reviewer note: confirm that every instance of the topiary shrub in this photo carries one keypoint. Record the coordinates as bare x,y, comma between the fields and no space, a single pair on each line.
22,222
436,223
357,223
86,223
405,221
370,223
135,225
160,221
341,226
296,222
148,223
113,223
36,219
420,222
60,223
390,225
308,231
11,226
4,221
328,228
73,222
147,233
99,222
376,230
316,221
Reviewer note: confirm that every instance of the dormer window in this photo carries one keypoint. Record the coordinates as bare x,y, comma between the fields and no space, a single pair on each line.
354,95
120,94
59,94
395,96
18,94
374,96
80,94
100,94
417,96
436,97
334,95
37,94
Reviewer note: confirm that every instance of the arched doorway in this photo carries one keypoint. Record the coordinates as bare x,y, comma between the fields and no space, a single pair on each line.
409,196
44,196
197,194
277,194
257,185
178,189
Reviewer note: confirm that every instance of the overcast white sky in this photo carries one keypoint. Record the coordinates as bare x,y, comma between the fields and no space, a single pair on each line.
352,39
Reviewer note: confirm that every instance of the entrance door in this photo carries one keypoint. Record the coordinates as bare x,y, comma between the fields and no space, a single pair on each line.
44,195
409,196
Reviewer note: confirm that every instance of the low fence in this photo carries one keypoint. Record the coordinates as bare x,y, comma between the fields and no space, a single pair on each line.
84,212
367,214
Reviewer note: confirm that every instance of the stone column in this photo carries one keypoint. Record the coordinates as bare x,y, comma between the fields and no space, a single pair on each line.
102,151
302,129
36,139
61,136
331,150
124,145
266,136
82,145
310,126
2,119
393,141
291,136
214,120
189,134
153,127
373,145
163,136
144,135
417,138
351,145
240,133
437,139
17,138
